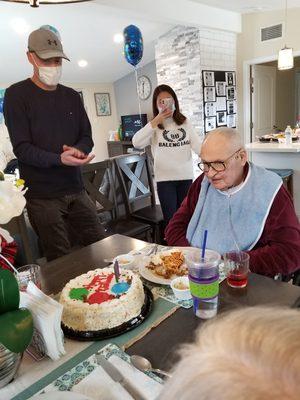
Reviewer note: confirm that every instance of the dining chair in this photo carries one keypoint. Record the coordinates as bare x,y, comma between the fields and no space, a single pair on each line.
138,190
101,188
17,226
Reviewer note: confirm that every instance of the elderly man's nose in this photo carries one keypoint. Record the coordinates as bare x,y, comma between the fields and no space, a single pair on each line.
211,171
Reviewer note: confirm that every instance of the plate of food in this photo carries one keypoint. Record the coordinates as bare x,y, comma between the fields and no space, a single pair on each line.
165,266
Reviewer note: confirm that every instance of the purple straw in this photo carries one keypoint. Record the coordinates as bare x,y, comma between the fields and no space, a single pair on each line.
204,244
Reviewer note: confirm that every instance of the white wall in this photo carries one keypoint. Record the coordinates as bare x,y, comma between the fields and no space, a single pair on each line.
126,95
250,47
100,125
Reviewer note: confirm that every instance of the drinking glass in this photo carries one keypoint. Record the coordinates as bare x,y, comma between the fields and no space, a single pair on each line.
27,273
236,264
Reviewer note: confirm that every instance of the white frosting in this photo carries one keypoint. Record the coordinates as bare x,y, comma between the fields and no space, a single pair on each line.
83,316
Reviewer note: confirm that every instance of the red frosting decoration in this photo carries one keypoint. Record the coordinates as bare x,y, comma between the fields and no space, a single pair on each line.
100,282
99,297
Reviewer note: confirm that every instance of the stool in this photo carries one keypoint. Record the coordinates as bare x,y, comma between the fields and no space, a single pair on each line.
286,176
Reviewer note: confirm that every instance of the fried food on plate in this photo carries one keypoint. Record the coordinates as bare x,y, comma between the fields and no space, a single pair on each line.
167,264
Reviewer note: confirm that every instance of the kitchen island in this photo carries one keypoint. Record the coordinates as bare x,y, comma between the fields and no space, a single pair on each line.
279,156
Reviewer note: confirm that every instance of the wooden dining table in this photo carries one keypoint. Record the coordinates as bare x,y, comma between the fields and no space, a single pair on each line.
162,343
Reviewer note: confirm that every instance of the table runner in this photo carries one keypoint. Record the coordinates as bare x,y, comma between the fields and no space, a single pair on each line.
33,376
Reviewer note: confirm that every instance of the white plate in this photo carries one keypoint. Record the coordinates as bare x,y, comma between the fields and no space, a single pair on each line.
59,395
151,276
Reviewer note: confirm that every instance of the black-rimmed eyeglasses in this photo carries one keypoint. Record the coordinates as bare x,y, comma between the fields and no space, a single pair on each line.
217,166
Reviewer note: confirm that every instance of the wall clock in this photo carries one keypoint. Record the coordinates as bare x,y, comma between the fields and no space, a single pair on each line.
144,87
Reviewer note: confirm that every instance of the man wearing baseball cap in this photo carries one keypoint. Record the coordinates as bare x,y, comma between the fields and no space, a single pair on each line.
51,136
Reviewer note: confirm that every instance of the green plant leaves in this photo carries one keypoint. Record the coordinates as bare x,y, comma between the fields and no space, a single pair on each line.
16,330
9,292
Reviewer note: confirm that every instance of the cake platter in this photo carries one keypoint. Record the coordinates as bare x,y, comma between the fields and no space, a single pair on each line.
116,331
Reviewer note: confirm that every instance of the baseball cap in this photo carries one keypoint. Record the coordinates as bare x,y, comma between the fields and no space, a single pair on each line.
45,44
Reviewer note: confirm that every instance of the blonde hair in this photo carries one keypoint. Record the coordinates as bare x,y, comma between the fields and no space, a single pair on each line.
252,353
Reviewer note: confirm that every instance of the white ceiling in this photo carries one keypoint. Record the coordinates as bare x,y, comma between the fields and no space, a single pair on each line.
249,6
87,31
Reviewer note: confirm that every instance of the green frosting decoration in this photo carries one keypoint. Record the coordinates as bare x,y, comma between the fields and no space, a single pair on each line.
78,293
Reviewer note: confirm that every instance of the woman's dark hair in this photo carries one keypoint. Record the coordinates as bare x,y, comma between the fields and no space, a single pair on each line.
177,116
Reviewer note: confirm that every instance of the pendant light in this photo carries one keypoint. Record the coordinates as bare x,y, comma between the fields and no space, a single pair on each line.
36,3
285,55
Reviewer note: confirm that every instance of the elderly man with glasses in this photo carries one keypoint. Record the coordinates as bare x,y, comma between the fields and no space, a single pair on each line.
241,205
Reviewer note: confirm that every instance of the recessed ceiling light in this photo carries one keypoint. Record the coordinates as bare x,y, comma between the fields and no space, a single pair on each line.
254,9
118,38
20,26
82,63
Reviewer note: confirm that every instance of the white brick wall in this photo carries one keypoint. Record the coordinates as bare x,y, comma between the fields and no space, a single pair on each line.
182,54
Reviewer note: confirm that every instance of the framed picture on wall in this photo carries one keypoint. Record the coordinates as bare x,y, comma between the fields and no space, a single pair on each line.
221,118
209,94
102,102
220,86
2,92
230,93
209,78
231,123
231,107
221,103
210,109
210,123
230,78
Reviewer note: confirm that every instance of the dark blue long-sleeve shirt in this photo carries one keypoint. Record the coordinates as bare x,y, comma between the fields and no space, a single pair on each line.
39,123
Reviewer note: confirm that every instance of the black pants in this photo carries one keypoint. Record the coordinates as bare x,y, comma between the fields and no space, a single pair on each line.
171,195
63,222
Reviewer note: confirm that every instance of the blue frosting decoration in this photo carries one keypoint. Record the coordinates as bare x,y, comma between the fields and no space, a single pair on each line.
120,287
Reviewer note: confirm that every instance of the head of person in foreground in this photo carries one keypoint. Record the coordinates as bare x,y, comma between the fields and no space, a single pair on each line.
251,353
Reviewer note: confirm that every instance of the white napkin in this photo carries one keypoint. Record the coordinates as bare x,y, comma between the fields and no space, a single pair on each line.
57,308
46,314
100,386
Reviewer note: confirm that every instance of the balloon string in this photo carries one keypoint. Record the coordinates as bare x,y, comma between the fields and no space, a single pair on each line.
137,92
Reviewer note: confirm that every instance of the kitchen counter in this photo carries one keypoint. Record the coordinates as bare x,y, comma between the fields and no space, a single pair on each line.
273,147
278,156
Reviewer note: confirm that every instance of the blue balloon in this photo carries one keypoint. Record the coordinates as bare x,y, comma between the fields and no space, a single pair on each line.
133,45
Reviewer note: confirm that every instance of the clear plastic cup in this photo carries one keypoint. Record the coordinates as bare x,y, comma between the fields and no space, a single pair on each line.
204,281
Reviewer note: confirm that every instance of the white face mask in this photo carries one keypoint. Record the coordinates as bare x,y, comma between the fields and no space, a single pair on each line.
50,75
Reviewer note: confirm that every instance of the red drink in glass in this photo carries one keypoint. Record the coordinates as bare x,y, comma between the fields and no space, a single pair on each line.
236,264
237,279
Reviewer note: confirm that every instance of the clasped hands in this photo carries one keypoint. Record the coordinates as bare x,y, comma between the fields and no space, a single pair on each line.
74,157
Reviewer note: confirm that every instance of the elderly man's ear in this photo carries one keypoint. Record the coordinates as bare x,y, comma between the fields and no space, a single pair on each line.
243,156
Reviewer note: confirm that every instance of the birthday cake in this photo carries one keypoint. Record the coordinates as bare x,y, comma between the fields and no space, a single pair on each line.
97,300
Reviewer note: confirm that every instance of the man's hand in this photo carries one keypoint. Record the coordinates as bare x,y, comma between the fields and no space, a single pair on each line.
77,153
74,157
